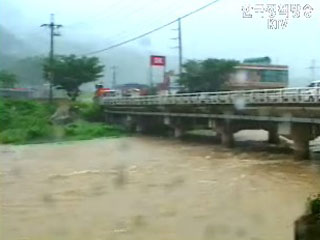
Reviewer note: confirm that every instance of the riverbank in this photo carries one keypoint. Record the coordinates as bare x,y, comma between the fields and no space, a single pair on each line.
24,122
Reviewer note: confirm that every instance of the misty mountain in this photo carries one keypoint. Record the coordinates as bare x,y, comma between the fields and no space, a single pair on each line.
9,46
12,46
21,57
15,58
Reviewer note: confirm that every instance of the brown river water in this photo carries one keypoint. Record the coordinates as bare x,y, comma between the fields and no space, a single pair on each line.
151,188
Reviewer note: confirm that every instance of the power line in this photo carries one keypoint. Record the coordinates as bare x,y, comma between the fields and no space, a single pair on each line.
132,39
155,21
153,30
121,14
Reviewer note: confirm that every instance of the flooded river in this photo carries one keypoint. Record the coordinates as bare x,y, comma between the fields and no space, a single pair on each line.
151,188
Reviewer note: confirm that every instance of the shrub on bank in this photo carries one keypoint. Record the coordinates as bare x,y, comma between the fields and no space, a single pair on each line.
13,136
82,130
24,120
314,205
307,227
88,111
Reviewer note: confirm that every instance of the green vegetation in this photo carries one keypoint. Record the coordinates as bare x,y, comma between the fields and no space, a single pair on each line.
314,205
207,75
82,130
21,121
69,72
28,121
88,111
7,80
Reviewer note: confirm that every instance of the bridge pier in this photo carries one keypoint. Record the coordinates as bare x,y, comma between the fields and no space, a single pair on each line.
178,126
219,137
110,119
301,135
273,136
130,123
227,139
146,124
178,132
224,129
140,128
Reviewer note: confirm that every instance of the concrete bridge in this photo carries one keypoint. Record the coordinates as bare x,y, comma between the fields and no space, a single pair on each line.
292,112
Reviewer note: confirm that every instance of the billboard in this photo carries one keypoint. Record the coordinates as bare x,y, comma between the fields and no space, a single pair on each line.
157,60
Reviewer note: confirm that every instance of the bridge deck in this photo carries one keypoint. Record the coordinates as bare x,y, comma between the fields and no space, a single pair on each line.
286,96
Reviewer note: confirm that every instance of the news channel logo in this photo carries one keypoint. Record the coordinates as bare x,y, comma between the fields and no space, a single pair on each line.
277,15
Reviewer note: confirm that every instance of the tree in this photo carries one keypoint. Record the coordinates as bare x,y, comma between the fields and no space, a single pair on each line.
207,75
69,72
7,80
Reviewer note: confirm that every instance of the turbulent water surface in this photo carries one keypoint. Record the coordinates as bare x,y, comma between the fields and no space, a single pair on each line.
151,188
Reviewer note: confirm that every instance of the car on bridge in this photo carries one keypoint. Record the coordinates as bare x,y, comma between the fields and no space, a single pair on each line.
312,94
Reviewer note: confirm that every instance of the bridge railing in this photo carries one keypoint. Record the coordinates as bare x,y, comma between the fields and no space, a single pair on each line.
242,97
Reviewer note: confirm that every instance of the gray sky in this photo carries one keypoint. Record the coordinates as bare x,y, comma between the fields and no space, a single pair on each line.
219,31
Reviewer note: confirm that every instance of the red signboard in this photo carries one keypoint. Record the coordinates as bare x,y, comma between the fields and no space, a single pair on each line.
158,61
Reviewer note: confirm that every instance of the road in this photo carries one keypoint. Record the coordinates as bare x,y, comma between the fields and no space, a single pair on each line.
151,188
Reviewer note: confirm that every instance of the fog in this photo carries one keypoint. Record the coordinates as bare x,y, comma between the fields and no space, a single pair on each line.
219,31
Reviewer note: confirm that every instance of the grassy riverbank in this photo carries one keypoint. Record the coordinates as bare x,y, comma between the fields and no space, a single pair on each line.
24,122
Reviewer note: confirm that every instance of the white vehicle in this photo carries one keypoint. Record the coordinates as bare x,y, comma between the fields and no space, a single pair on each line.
313,93
131,92
314,84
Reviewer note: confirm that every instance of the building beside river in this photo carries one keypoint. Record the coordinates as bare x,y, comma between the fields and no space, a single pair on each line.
258,73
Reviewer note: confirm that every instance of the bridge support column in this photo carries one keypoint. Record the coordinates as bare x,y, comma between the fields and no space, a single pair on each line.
178,132
301,135
227,138
273,136
109,118
219,137
139,128
178,126
144,124
214,126
224,130
128,123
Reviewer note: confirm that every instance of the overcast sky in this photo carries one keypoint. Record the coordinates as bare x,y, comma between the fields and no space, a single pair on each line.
219,31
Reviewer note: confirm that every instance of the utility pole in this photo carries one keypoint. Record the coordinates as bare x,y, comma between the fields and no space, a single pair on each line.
114,76
179,39
313,68
52,26
180,46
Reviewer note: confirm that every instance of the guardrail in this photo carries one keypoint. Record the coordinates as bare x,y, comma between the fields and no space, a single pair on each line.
237,98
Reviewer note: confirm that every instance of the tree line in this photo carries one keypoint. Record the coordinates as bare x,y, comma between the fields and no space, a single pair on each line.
69,72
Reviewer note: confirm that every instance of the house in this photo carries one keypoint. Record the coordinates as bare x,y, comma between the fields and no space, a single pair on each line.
258,73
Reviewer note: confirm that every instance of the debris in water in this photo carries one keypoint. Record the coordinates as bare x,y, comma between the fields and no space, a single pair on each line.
75,173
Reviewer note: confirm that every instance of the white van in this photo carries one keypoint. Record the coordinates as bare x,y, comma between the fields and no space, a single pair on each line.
312,94
314,84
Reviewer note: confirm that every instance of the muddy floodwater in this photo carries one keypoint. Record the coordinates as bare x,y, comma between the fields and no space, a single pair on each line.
151,188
